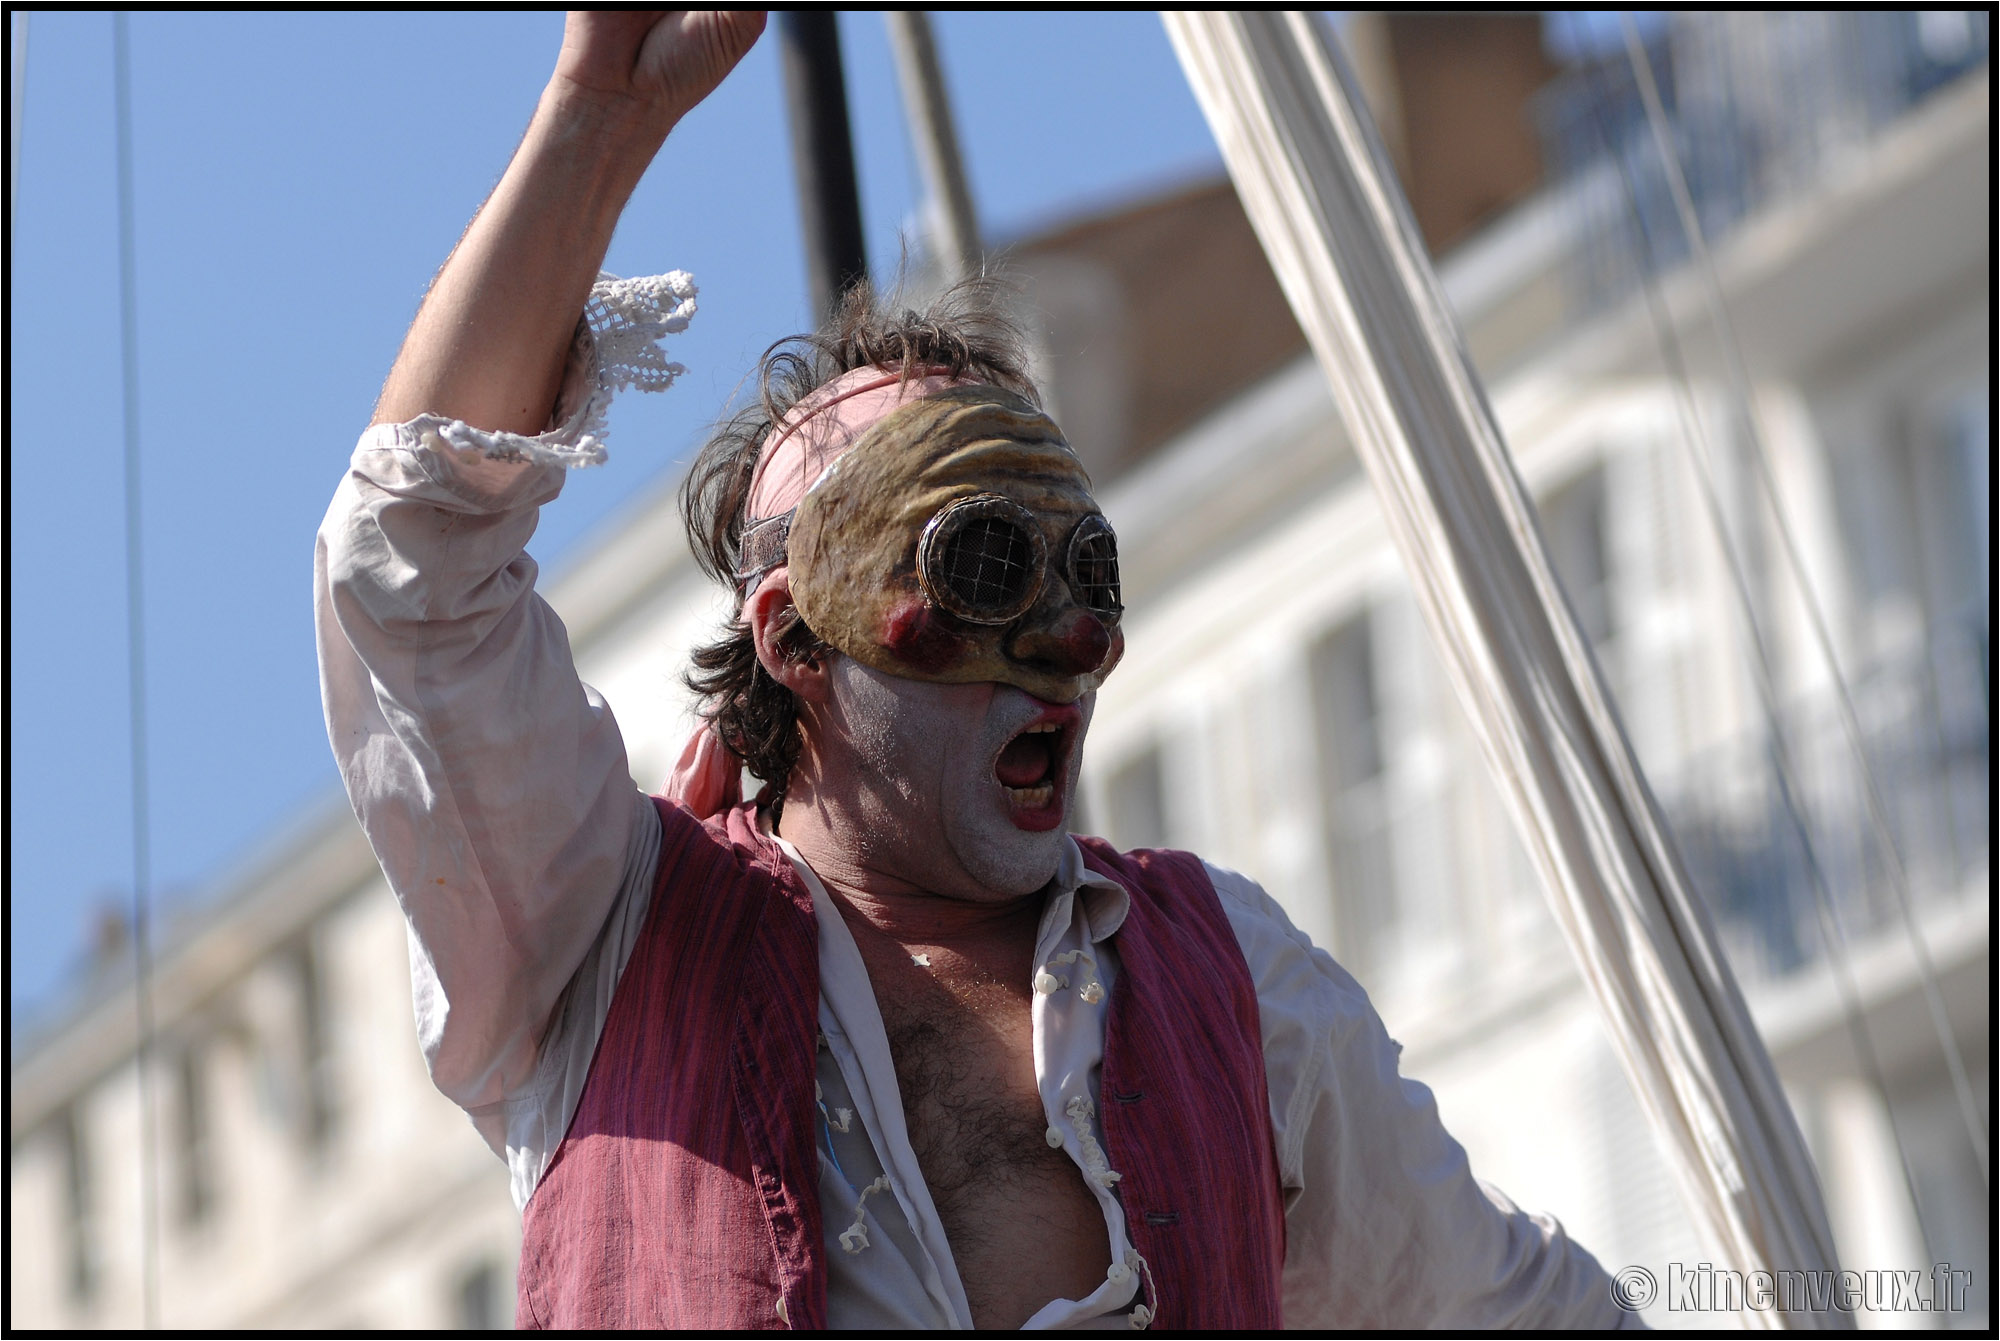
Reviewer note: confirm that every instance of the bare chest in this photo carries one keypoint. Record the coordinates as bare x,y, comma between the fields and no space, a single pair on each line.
1023,1226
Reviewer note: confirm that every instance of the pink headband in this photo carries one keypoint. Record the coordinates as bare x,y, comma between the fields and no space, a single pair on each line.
820,428
814,434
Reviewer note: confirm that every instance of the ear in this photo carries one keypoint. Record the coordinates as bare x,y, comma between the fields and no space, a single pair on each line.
765,614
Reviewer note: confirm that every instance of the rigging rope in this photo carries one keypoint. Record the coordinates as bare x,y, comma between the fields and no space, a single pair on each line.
135,632
1315,183
1746,408
1694,439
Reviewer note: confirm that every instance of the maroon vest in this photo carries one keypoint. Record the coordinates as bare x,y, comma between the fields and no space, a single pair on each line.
685,1193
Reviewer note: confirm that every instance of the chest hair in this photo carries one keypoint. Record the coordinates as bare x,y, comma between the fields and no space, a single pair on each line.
964,1059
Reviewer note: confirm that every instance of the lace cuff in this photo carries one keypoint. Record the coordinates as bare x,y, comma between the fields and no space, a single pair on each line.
617,345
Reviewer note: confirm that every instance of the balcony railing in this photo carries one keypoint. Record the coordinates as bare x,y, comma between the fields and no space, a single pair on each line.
1927,730
1761,105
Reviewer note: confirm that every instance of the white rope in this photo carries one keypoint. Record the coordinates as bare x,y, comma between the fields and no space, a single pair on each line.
1315,183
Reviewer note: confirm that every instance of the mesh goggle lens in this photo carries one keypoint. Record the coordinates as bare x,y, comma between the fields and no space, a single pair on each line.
1093,567
982,558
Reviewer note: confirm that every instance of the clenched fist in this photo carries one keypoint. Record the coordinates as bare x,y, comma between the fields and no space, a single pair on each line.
654,63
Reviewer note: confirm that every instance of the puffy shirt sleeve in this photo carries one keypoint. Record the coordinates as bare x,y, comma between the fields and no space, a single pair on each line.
491,782
1386,1227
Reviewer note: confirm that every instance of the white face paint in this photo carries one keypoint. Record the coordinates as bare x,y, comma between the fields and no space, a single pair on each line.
925,801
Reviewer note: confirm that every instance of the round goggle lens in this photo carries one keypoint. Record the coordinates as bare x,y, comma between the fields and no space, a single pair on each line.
1093,568
982,559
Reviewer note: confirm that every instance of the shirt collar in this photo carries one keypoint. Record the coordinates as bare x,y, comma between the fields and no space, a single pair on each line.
1104,901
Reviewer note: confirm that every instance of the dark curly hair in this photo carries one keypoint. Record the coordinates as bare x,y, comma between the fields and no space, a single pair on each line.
965,330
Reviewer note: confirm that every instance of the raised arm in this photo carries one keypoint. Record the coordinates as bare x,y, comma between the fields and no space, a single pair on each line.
489,342
492,783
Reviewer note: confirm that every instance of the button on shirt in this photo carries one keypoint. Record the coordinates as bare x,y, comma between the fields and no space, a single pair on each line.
494,788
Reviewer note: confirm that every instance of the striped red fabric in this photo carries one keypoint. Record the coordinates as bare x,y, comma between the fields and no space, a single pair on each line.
684,1194
1186,1109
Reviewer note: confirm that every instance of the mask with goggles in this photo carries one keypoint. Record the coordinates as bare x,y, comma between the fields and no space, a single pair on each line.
947,534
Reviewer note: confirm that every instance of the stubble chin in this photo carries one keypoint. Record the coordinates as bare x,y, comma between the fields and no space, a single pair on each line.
1002,858
1012,867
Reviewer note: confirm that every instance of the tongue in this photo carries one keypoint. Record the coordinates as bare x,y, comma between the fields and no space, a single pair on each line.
1025,762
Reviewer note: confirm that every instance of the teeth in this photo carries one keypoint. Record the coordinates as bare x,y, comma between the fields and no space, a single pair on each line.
1045,729
1033,798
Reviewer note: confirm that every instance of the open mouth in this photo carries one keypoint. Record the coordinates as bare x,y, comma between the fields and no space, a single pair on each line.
1033,766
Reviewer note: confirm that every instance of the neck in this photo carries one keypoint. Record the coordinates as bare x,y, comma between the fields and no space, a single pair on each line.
873,877
931,919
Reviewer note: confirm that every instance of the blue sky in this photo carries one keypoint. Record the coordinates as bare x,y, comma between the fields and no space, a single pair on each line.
298,178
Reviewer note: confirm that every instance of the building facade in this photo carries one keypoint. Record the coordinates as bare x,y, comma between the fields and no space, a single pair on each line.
1280,711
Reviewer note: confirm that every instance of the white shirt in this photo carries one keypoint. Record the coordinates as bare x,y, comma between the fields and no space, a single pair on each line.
494,788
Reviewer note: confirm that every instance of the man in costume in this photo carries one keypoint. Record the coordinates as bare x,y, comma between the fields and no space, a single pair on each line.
887,1046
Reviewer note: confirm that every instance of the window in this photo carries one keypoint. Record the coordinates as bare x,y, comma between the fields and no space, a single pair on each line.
1953,465
1573,523
195,1150
1354,791
1394,803
1912,485
315,1052
1952,1199
479,1305
79,1228
1136,797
